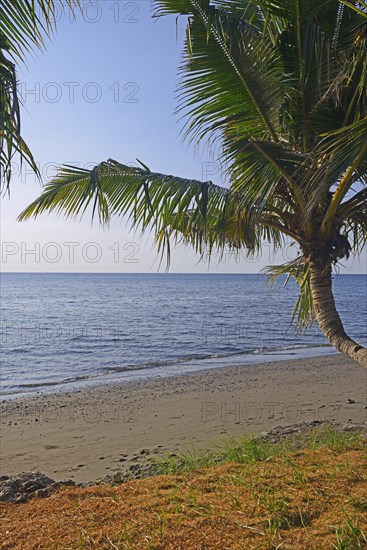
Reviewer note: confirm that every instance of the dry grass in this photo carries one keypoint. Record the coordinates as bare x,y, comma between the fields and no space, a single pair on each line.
310,499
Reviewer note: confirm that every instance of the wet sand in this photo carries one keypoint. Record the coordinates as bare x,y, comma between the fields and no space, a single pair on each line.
87,434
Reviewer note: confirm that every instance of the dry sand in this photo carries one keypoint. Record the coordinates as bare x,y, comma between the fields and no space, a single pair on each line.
87,434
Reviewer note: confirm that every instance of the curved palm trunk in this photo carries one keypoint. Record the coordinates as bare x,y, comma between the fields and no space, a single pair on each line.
327,315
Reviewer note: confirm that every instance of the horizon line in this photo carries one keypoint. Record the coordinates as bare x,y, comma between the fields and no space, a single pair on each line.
143,273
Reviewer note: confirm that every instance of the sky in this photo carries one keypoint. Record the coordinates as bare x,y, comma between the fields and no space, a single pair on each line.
105,88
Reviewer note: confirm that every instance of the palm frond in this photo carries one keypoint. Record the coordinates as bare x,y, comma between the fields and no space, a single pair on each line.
11,141
24,26
161,202
343,155
357,202
354,214
359,7
305,35
303,310
263,170
202,214
230,76
172,7
27,23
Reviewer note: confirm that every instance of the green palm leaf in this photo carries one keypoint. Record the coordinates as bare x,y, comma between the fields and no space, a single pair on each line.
27,23
230,76
303,310
360,7
161,202
11,141
344,154
24,26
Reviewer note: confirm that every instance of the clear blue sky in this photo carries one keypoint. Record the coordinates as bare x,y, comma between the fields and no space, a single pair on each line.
104,88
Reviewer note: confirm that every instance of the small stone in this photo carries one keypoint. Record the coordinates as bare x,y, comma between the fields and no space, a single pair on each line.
20,499
135,470
30,486
68,482
42,493
6,493
117,477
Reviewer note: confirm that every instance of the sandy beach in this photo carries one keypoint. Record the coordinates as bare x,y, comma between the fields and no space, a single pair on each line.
90,433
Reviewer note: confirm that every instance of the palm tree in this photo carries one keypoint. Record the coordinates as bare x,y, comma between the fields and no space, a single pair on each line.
24,26
282,86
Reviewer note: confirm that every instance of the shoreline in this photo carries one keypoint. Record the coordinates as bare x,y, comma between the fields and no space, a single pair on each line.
178,368
89,433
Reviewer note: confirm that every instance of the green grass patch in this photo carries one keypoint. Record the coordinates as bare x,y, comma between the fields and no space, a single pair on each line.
246,449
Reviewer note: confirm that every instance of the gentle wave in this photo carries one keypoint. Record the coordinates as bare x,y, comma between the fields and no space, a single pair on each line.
159,364
188,359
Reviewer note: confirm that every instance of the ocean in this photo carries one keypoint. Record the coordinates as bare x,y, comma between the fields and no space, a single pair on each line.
66,330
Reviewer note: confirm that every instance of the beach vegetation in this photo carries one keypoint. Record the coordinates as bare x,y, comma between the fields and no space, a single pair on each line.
240,500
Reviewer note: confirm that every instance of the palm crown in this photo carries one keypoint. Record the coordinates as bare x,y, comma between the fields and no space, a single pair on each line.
282,84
